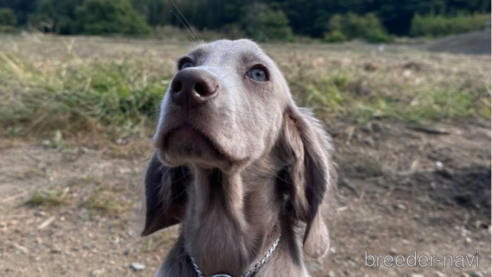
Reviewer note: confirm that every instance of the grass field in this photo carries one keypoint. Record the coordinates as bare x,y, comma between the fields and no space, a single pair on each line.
411,131
80,84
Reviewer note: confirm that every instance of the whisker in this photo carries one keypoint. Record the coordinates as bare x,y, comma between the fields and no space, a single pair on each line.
194,38
191,27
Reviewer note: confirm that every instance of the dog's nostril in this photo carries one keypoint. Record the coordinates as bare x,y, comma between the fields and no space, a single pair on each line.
177,86
201,89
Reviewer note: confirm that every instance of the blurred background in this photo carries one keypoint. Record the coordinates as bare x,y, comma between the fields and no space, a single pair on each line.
402,86
378,21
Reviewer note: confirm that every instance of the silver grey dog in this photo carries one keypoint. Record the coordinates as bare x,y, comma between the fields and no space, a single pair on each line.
240,166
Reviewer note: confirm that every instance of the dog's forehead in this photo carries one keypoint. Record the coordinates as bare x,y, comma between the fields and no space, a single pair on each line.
229,50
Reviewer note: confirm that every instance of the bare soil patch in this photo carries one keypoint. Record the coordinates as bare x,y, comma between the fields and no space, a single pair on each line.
402,189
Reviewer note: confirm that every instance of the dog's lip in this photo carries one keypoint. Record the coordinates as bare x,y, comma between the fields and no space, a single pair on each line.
210,141
162,144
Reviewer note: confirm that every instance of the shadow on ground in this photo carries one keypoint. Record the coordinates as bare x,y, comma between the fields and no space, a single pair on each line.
468,187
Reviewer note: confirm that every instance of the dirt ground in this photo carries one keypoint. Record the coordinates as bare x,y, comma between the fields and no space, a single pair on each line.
403,189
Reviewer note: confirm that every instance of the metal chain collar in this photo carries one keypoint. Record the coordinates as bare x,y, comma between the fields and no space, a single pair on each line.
249,273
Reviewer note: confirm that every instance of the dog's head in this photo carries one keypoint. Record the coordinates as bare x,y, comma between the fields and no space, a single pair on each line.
227,106
223,108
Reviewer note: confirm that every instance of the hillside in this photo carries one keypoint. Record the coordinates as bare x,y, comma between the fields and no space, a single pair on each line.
468,43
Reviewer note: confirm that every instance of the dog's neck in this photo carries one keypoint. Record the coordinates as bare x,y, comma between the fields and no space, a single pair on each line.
231,220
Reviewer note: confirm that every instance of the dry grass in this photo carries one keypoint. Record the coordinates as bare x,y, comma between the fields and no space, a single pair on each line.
104,201
48,198
81,181
410,86
113,86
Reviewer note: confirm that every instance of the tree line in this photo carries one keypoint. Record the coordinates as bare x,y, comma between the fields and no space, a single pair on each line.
331,20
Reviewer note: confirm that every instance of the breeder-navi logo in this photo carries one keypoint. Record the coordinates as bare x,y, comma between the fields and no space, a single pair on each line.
421,261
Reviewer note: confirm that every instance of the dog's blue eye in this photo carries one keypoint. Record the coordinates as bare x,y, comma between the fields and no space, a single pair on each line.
186,65
257,74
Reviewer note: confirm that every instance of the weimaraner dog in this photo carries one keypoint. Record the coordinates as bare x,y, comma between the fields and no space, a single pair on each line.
247,172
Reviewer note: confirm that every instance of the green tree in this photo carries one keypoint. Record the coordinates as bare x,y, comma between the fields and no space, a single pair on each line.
353,26
265,24
103,17
7,17
55,16
306,18
8,21
21,8
335,37
157,12
437,25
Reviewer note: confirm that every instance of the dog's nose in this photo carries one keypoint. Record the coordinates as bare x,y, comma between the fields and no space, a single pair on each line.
192,87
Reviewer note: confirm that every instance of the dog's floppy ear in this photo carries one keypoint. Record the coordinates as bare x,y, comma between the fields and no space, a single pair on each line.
165,195
310,176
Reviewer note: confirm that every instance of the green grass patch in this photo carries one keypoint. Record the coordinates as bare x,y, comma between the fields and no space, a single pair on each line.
425,107
105,202
361,96
121,96
48,198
